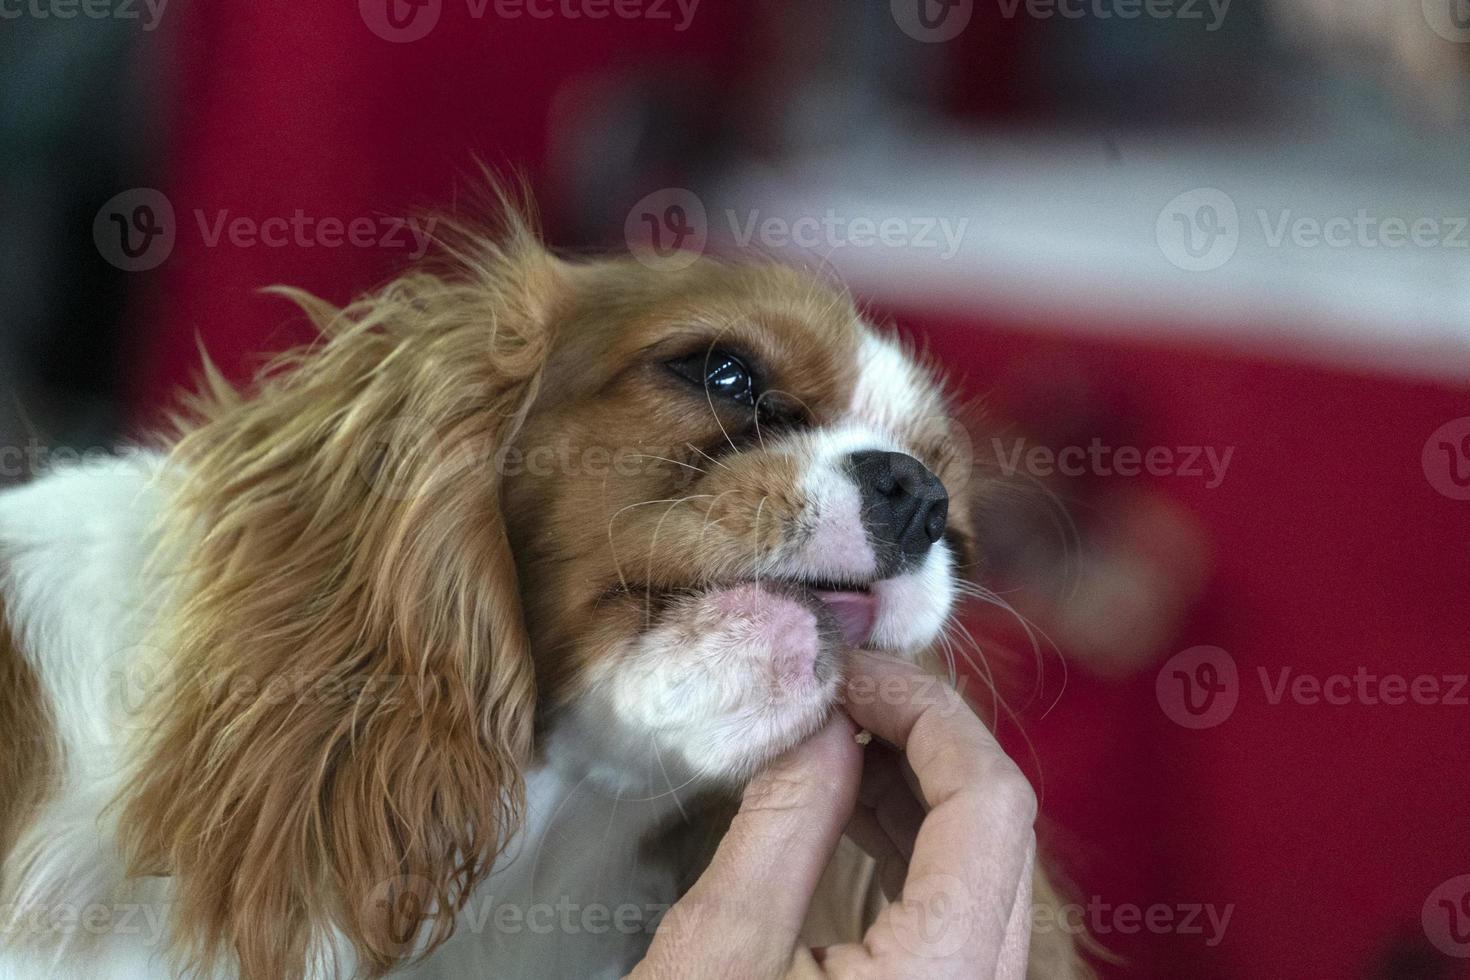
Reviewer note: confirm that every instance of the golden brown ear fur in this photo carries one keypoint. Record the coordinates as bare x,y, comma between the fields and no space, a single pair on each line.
351,696
28,750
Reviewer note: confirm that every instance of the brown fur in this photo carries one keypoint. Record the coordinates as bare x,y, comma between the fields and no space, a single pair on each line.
334,545
357,536
29,754
639,526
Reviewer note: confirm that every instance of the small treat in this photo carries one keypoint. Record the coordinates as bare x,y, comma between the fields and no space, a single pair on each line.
863,737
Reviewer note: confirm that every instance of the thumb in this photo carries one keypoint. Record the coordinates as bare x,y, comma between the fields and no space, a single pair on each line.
749,904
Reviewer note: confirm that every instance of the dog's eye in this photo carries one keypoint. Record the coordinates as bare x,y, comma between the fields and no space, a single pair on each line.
718,372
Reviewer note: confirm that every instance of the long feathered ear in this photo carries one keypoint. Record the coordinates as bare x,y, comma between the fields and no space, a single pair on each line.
351,695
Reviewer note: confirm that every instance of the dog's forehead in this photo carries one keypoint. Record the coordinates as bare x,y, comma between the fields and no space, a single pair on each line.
892,391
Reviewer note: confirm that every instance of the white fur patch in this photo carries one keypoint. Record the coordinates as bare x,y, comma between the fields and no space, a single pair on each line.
835,544
913,607
728,679
892,393
74,543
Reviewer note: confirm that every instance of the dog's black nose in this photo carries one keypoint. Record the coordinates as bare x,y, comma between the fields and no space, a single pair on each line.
905,507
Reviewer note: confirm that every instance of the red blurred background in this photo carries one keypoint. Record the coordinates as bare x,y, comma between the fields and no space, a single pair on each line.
1325,832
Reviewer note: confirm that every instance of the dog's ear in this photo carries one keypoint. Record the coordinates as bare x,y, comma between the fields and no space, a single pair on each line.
338,755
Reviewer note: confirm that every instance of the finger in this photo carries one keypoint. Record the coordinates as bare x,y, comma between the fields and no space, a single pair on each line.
974,845
1017,942
948,747
749,904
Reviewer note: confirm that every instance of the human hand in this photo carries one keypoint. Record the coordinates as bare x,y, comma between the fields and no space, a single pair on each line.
962,851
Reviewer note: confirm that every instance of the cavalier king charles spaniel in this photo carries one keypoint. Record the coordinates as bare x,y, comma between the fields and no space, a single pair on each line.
442,648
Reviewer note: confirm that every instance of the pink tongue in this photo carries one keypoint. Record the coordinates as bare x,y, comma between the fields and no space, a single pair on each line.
856,613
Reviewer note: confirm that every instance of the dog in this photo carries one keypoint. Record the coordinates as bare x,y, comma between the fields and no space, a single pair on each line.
457,630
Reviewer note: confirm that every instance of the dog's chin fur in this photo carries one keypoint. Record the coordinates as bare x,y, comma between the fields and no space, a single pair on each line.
480,532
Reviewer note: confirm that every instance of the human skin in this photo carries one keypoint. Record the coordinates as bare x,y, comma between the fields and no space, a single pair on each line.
960,845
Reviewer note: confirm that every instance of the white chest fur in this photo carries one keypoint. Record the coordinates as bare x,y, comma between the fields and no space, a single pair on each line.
573,895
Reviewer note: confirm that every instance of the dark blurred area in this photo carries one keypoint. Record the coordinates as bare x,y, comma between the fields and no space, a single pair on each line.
75,125
1227,235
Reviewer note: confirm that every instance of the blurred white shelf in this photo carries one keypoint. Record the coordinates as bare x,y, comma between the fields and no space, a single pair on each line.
1084,231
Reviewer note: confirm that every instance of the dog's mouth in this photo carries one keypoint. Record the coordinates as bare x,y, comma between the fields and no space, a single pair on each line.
856,614
852,606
